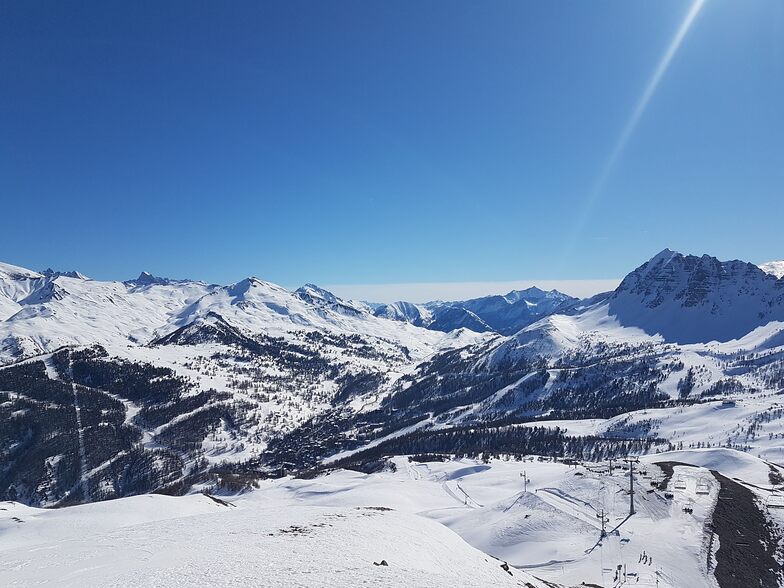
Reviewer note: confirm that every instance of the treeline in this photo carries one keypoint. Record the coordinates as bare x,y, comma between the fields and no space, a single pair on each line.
40,460
511,440
451,379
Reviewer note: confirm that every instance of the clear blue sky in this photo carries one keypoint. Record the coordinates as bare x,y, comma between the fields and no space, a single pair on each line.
355,142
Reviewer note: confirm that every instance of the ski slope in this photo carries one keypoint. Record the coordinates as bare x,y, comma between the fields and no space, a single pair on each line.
551,527
254,540
451,523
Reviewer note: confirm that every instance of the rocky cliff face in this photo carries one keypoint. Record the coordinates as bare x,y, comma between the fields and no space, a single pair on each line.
689,299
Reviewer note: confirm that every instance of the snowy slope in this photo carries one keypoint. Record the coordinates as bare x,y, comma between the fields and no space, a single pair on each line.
550,527
61,311
405,311
41,313
17,282
8,307
259,540
540,516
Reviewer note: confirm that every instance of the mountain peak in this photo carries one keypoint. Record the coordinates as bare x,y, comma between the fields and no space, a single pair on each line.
686,298
50,273
534,295
315,294
664,256
15,272
774,268
147,279
409,312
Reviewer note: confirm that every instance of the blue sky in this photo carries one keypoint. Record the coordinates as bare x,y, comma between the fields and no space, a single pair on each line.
359,142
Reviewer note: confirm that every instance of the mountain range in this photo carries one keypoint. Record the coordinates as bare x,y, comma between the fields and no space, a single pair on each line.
335,412
501,314
178,382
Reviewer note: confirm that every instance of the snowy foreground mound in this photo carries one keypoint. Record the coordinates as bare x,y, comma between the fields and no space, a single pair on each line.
710,523
195,541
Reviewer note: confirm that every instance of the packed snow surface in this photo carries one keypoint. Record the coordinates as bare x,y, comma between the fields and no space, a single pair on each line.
543,518
256,540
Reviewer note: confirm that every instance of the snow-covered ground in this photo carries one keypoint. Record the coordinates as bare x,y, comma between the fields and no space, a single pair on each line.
435,524
550,525
254,541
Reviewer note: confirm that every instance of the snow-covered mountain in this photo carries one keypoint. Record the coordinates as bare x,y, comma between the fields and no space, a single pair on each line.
50,273
689,299
112,389
680,335
147,279
775,268
58,310
43,312
254,377
418,315
502,314
187,375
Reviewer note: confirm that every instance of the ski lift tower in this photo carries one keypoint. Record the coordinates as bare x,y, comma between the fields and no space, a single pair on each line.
604,519
631,461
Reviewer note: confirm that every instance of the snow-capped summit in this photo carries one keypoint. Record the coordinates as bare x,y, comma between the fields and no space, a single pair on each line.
529,293
689,299
321,298
406,312
50,273
147,279
18,282
316,295
210,328
544,300
775,268
503,314
15,272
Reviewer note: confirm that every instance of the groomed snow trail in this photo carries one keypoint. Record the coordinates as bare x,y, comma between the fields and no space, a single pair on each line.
83,469
82,454
254,544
